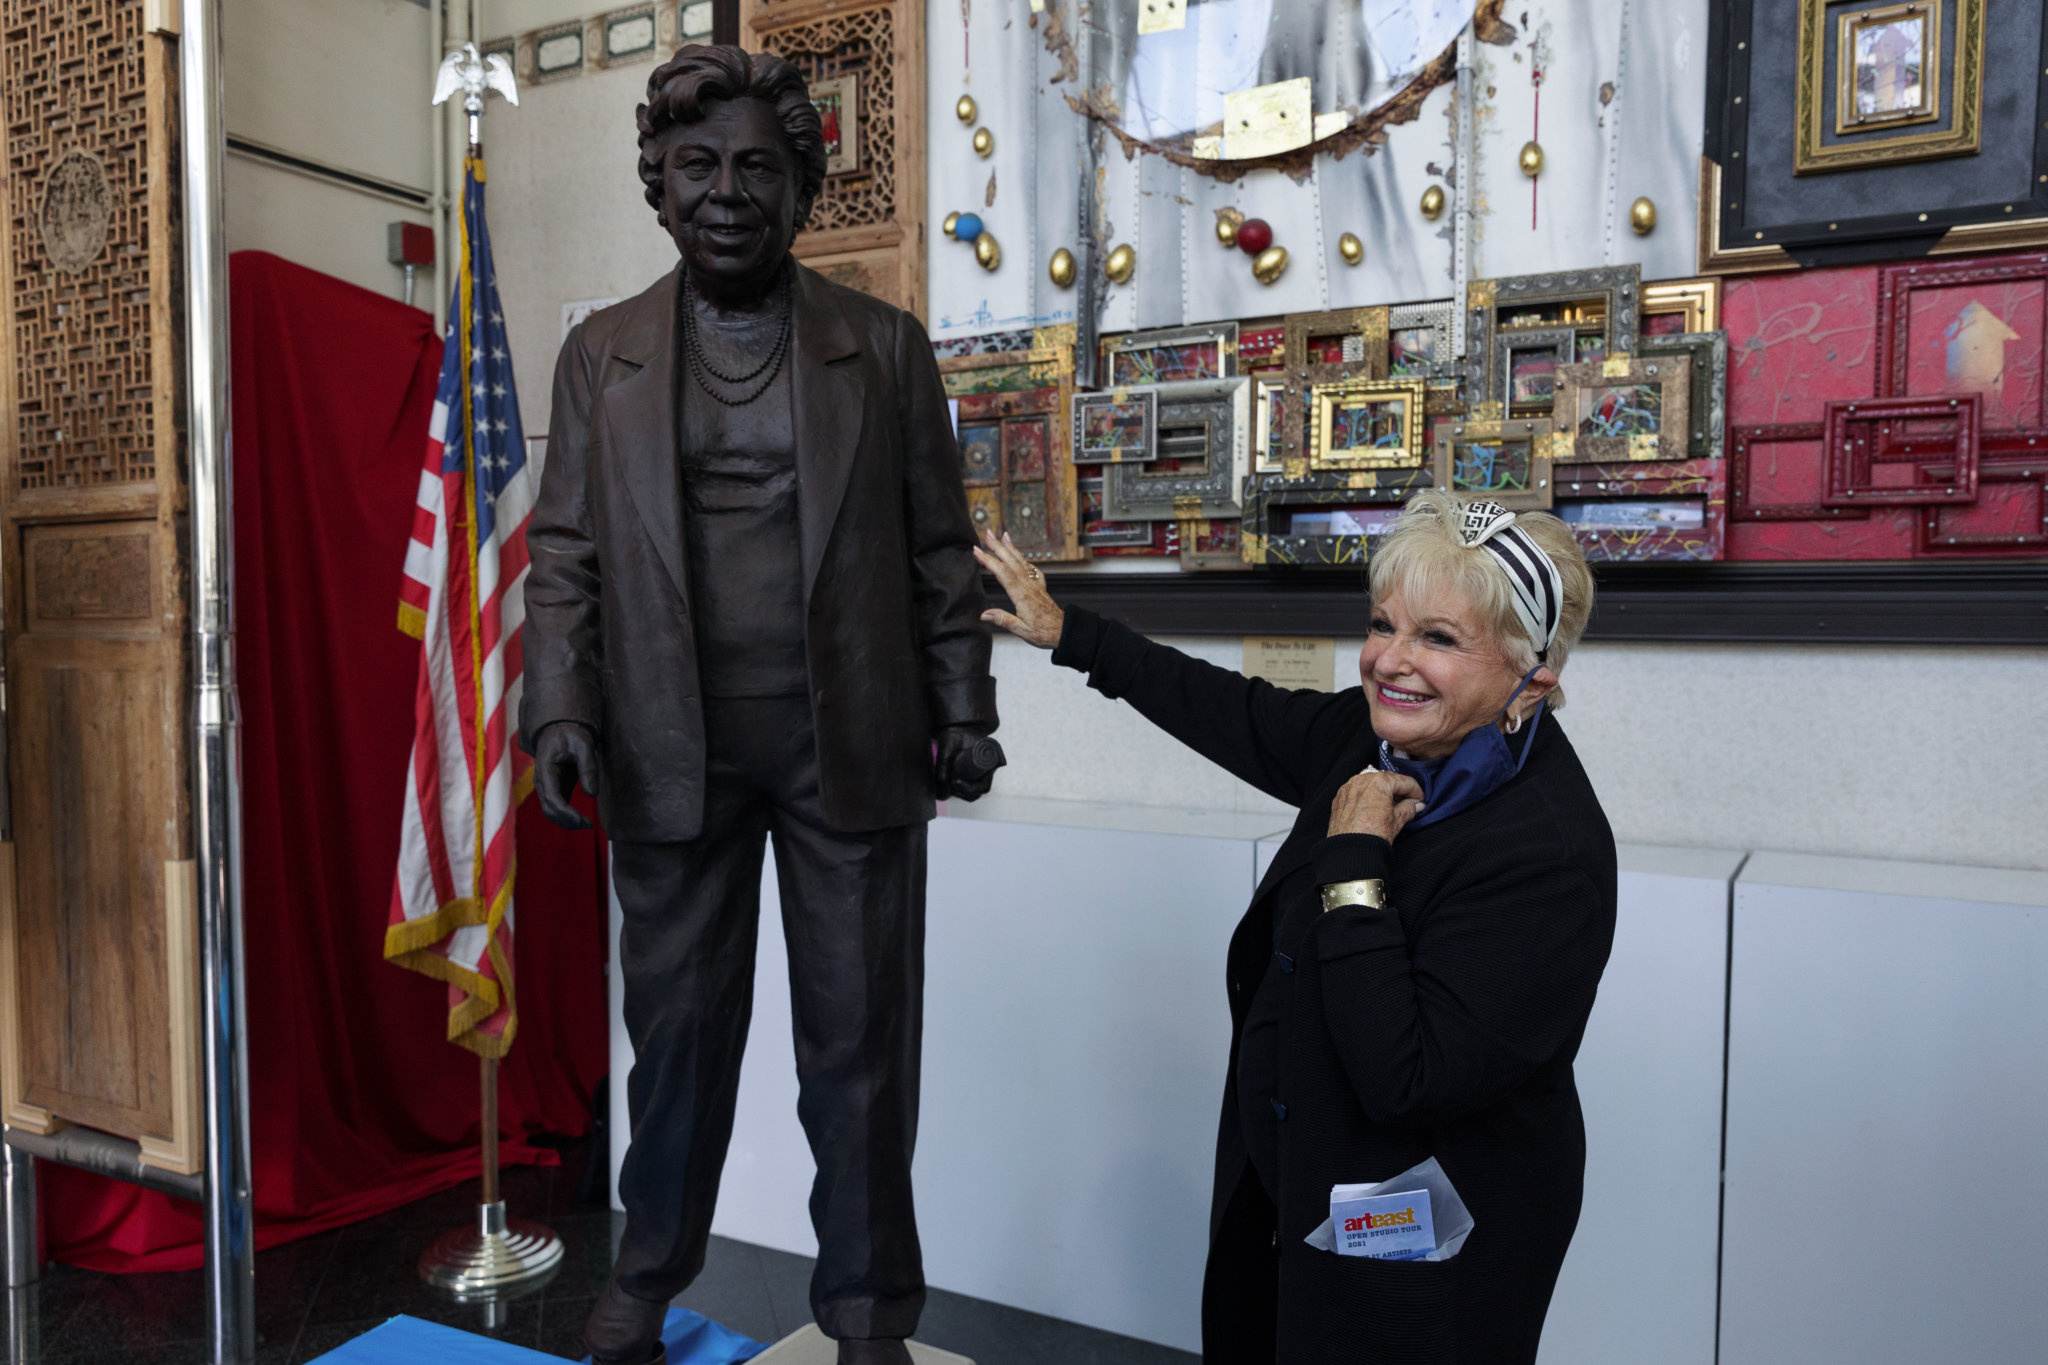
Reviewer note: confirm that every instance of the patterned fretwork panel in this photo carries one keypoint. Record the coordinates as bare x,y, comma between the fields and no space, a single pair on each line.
77,240
861,42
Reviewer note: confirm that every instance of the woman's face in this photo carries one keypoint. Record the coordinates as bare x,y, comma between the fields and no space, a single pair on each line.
1433,675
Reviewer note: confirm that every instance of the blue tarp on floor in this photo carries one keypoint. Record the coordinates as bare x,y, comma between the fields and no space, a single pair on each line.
691,1340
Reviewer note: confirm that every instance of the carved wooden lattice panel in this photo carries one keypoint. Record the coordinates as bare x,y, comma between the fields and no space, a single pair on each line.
863,44
866,229
98,966
78,242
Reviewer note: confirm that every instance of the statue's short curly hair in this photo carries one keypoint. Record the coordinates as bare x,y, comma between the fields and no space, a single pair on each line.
682,88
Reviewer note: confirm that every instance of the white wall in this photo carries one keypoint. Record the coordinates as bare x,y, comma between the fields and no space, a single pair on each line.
344,82
1926,754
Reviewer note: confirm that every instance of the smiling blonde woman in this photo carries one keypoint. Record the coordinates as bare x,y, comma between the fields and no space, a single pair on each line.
1415,971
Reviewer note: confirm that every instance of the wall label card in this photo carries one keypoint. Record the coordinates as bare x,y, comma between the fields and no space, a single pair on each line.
1302,663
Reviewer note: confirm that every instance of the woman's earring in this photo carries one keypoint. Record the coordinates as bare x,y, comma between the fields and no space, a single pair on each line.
1514,725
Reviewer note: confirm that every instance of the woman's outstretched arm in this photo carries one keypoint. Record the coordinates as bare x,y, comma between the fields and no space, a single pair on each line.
1280,741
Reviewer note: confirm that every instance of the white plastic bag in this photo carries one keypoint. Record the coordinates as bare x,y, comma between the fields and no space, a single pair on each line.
1453,1220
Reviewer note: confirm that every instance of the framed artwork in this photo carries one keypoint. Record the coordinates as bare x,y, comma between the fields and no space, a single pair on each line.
1529,359
1668,511
1366,424
1097,530
1341,336
1706,385
1261,345
2010,514
1507,461
1975,327
1671,306
1625,408
1170,355
1856,130
1204,446
1872,81
1269,420
1116,428
1419,342
1011,426
1324,520
837,99
1599,307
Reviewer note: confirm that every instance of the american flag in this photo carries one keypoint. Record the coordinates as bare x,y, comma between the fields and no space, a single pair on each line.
463,597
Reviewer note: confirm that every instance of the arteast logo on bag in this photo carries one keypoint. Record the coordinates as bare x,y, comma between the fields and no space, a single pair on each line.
1366,1221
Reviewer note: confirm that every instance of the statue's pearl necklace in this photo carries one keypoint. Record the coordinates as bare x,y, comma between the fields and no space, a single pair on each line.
755,382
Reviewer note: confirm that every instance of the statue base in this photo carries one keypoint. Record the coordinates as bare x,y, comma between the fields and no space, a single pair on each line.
809,1346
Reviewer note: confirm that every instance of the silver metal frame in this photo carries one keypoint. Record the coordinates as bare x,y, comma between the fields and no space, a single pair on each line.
1138,492
1709,385
217,798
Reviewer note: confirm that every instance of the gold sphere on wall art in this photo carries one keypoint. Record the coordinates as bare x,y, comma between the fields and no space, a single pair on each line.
966,109
1350,248
984,141
952,220
1433,202
1269,263
1061,268
1226,232
1531,160
1642,216
1122,263
986,252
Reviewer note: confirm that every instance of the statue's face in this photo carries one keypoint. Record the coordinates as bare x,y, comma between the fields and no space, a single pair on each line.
729,189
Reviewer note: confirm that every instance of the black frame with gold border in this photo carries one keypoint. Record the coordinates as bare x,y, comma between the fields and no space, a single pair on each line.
1733,240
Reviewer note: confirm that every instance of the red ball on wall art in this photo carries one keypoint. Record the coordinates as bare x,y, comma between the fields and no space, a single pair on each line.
1254,235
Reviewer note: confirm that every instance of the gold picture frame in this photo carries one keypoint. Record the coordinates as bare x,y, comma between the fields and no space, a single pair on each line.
1387,413
1521,482
1696,303
1908,76
1627,407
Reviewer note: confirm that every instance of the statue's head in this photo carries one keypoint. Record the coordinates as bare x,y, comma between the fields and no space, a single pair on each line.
733,154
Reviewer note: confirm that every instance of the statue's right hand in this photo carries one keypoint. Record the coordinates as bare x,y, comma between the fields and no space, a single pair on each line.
565,755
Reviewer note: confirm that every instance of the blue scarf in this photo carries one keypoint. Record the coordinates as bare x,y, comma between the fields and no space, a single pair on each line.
1477,768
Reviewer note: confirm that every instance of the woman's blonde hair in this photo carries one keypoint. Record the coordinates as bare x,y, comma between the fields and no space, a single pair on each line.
1424,555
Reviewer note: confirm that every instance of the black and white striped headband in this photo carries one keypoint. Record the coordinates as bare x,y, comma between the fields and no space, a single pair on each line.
1538,589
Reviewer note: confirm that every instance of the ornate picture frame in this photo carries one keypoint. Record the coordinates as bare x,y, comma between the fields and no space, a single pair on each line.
1507,461
1673,306
1664,512
1209,416
1269,420
1324,520
1970,326
1361,334
1860,434
1016,453
1168,355
1097,531
1365,423
1707,385
1419,341
1524,373
1120,427
1575,298
1874,73
1626,408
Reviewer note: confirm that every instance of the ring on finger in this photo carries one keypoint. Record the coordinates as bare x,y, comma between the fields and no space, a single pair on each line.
1031,573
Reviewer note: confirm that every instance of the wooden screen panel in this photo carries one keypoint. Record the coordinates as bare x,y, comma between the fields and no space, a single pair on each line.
1019,470
98,1008
868,221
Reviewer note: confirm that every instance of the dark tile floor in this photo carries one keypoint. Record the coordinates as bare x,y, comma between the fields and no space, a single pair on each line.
315,1294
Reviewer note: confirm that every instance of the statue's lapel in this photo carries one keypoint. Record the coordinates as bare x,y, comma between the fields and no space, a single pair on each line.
641,412
826,400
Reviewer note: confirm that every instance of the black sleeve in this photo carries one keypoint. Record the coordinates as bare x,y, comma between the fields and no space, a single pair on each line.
1500,979
1280,741
945,580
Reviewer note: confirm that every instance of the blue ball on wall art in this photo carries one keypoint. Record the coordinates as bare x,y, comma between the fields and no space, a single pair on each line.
967,227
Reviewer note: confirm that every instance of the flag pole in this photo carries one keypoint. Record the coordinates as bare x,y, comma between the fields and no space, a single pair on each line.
496,1258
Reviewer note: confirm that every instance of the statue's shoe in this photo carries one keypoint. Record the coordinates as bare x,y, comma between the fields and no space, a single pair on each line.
880,1351
623,1330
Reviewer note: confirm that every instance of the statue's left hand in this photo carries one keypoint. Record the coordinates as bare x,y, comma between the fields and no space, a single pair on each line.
954,742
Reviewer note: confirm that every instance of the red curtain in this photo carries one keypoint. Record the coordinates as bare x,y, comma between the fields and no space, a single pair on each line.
357,1103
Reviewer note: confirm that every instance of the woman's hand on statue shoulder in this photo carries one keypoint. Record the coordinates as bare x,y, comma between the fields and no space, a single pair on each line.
1037,619
1375,802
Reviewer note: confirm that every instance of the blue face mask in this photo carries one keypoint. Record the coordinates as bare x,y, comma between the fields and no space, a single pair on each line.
1478,767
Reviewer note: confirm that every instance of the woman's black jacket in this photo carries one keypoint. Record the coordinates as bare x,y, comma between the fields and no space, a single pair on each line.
1444,1025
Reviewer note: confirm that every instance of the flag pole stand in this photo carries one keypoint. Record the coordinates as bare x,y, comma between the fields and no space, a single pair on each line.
497,1257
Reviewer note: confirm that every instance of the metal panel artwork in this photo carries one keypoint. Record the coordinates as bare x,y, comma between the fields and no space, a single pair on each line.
1326,520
